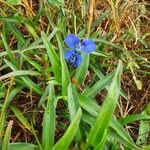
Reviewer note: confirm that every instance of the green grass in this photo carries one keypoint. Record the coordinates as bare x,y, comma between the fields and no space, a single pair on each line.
80,108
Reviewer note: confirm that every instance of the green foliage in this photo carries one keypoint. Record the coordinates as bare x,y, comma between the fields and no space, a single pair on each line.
22,146
83,104
53,57
21,117
14,2
48,131
82,70
67,138
98,133
7,136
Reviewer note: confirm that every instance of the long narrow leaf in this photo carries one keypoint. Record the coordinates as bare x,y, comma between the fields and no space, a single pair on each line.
48,131
67,138
19,36
89,116
53,57
144,127
27,81
98,130
7,136
21,117
134,117
73,106
97,87
22,146
65,77
82,70
19,73
8,50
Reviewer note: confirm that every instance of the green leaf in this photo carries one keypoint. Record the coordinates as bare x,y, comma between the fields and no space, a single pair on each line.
48,130
68,136
14,2
88,104
39,40
100,127
73,103
120,134
89,116
134,117
26,81
2,124
56,2
14,92
53,58
8,50
144,128
44,96
82,70
31,30
99,73
7,136
73,106
99,19
65,78
97,87
3,114
33,63
22,146
14,29
19,73
20,117
143,133
147,147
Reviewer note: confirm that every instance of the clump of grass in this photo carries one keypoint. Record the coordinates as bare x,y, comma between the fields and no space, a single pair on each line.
33,65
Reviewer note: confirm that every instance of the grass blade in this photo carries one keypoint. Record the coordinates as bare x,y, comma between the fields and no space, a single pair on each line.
44,96
27,81
91,113
97,87
82,70
68,136
89,105
100,127
14,92
134,117
101,76
4,109
53,58
7,136
144,128
20,117
19,36
9,52
73,106
65,79
65,76
19,73
121,134
22,146
48,131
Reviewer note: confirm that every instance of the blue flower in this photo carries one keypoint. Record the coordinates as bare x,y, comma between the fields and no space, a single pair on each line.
76,46
73,42
73,57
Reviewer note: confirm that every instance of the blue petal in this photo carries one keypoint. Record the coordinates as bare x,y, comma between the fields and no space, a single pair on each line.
71,40
72,57
68,55
88,45
78,60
